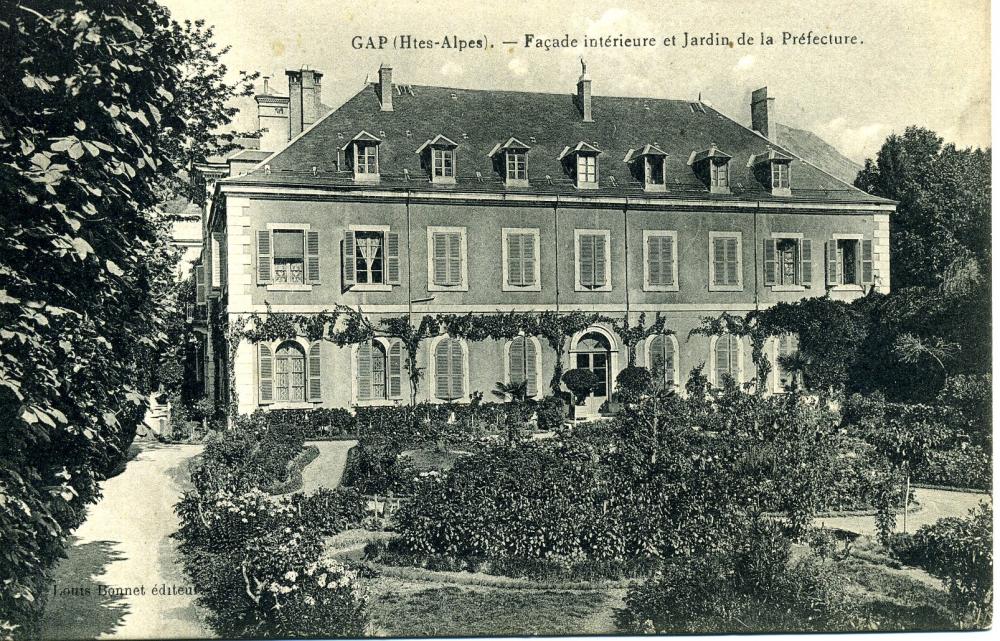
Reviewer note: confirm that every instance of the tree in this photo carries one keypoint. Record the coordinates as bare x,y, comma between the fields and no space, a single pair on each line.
97,114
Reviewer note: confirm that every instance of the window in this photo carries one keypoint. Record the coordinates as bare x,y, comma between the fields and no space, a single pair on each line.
288,257
449,369
523,363
779,175
586,169
371,258
661,359
446,251
521,271
379,371
289,373
443,163
216,260
787,262
593,270
199,284
660,260
712,168
655,171
517,166
366,158
719,175
783,347
726,358
286,375
725,262
850,261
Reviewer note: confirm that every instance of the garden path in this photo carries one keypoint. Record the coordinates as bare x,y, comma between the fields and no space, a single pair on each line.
125,543
934,504
327,469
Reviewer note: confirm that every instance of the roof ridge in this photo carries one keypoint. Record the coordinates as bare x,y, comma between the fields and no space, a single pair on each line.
541,93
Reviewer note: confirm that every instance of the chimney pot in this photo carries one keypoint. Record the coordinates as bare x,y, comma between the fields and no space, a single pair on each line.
385,87
583,94
763,115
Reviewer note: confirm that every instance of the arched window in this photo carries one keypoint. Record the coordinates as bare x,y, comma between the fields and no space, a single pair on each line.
449,369
783,346
289,373
593,352
661,358
726,357
379,370
522,363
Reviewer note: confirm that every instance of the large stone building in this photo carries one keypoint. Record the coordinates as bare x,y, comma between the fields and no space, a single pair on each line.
413,200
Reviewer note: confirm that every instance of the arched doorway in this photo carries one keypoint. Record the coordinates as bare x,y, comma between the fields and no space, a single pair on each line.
593,351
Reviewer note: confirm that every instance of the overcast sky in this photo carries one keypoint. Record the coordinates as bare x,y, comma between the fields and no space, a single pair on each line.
923,62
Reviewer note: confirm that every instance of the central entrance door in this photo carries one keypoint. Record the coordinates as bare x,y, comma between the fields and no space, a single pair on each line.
593,352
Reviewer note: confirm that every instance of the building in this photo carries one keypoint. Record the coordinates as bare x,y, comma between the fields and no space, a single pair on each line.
413,200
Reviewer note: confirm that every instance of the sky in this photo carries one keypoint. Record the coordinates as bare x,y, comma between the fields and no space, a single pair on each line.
918,62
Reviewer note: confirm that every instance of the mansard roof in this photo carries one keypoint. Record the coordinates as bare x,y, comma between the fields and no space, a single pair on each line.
482,122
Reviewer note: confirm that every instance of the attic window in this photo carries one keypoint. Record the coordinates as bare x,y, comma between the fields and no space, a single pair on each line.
582,163
773,169
712,167
438,157
649,165
517,165
720,175
362,153
510,160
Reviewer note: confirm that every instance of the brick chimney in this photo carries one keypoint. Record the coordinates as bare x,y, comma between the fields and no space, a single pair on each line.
763,116
385,87
272,118
304,92
583,94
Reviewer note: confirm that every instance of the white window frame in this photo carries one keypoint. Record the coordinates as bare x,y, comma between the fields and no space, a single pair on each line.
714,173
658,233
738,287
432,369
289,287
355,401
713,374
366,176
677,357
779,235
582,158
536,236
463,285
776,175
443,151
607,259
539,392
647,169
853,287
287,405
772,355
374,287
508,179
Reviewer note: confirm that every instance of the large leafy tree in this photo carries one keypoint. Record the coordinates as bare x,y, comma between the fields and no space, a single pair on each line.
98,112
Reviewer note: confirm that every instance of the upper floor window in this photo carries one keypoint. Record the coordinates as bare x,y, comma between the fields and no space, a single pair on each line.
447,266
787,261
517,165
371,257
773,170
379,371
726,358
593,265
438,156
659,260
779,175
720,175
520,259
288,256
649,165
510,160
581,162
443,163
850,261
449,362
725,265
362,153
712,167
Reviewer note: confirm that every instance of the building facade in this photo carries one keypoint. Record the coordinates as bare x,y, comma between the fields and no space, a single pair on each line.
414,200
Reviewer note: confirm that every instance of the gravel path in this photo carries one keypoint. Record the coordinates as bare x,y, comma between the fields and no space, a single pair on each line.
327,469
934,505
125,544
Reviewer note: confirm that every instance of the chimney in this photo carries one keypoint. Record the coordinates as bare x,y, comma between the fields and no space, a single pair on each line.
583,94
385,87
272,118
304,90
763,117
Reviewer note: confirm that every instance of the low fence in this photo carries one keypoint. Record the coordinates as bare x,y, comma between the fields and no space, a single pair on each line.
383,508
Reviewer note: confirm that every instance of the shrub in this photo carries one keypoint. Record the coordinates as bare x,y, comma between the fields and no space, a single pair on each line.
330,511
581,382
551,413
968,466
633,383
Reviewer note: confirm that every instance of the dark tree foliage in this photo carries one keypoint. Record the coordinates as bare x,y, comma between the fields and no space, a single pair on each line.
98,111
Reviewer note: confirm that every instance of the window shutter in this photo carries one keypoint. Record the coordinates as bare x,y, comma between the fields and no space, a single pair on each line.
312,257
216,259
831,262
315,370
867,261
350,258
528,258
653,260
770,261
805,262
266,372
199,284
516,364
668,360
723,357
442,362
515,275
364,372
392,258
531,367
656,353
600,266
454,259
719,261
457,373
263,256
396,370
586,260
440,247
667,259
732,262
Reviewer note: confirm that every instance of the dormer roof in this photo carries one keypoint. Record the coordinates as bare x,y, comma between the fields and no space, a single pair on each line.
647,150
580,147
712,152
770,155
439,141
512,144
363,136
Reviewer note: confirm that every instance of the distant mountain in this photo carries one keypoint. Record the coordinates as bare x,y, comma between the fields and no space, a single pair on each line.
818,152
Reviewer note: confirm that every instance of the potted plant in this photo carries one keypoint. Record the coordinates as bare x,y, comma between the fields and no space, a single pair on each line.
581,382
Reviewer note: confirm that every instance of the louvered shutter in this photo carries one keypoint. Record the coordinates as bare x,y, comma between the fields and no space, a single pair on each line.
516,364
770,261
442,364
454,259
216,259
805,262
667,259
457,373
396,370
719,260
655,353
653,262
668,360
312,257
600,266
722,358
350,258
586,260
867,262
392,258
315,371
364,372
831,262
531,367
264,266
440,249
266,374
199,284
515,266
732,262
528,258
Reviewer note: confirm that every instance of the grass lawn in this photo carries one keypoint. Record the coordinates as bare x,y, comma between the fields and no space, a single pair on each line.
900,599
431,459
407,610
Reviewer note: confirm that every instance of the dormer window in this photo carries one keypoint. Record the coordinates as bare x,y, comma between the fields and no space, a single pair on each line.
362,155
649,165
582,164
438,157
712,167
510,160
773,169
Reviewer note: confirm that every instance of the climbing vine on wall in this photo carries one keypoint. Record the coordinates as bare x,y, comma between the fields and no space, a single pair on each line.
631,335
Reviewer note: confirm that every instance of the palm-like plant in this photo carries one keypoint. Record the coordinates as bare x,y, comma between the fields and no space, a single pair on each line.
911,349
515,391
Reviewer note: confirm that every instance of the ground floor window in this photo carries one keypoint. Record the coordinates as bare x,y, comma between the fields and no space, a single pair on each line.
289,373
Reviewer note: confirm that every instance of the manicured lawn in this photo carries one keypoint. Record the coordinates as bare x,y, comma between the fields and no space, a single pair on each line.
903,599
